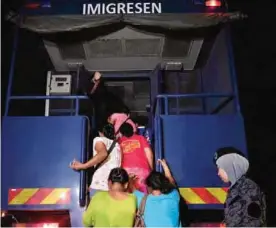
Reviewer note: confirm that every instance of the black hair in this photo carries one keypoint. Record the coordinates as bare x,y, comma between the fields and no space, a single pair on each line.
118,175
158,181
126,130
226,150
108,131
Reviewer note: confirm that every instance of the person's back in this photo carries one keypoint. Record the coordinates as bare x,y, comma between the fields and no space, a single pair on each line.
161,210
137,155
99,181
133,151
112,208
110,212
162,203
245,192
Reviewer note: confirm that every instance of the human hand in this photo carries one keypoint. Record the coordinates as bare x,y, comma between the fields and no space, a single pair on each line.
132,180
76,165
163,163
97,77
132,177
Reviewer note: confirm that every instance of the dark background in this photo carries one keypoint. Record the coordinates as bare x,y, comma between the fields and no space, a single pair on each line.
255,55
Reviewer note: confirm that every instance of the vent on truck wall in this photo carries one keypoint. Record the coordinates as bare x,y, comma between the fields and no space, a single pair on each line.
72,51
105,48
124,48
143,47
174,48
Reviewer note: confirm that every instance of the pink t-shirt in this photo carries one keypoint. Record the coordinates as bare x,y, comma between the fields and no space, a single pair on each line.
134,158
119,119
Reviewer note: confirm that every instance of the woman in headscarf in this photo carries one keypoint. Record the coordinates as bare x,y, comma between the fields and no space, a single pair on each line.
245,204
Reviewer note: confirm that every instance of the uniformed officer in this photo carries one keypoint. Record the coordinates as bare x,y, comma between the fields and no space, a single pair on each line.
245,204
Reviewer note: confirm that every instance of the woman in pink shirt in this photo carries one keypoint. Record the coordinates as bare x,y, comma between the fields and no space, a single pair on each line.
137,155
117,119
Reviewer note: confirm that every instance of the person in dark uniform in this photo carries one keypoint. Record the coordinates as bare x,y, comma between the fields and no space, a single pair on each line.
104,101
245,204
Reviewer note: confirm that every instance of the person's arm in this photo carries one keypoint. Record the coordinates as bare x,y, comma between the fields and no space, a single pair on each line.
149,155
148,151
99,157
167,170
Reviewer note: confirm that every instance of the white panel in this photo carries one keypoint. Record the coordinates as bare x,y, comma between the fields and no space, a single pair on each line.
48,85
61,84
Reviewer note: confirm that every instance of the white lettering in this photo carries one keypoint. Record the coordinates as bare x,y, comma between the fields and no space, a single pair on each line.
147,8
156,8
92,10
122,8
84,9
110,9
139,8
130,8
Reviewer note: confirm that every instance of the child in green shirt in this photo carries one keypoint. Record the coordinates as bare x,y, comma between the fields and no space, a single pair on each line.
113,208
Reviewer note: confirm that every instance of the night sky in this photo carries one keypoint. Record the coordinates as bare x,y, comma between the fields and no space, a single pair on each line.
255,55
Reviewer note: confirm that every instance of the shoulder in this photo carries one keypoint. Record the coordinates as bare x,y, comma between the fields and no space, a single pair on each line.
98,139
114,116
132,196
249,187
174,193
99,195
138,193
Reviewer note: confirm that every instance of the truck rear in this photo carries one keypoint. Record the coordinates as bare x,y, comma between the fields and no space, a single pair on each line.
171,64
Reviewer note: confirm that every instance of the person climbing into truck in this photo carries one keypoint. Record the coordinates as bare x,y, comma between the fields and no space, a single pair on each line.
107,105
137,155
163,199
104,163
113,208
245,205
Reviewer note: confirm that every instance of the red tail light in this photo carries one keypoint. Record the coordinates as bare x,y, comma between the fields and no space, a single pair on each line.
213,3
32,5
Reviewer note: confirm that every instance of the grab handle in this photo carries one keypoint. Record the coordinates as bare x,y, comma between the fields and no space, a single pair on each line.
83,159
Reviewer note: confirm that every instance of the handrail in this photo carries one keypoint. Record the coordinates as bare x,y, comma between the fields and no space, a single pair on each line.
194,95
156,112
47,97
83,176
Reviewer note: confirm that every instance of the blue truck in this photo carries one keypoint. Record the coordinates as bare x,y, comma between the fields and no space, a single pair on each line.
171,61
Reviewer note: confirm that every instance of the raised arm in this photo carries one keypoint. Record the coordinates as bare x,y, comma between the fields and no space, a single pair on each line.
167,170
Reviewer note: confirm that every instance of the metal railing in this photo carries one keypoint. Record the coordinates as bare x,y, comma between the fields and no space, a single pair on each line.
76,98
161,107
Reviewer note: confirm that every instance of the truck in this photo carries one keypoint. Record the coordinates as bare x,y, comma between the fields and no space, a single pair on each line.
171,61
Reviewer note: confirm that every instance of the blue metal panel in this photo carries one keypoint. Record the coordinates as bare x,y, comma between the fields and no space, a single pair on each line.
190,142
216,74
36,152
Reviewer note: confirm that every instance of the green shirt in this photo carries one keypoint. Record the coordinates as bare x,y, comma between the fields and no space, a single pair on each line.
105,211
